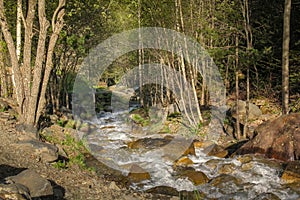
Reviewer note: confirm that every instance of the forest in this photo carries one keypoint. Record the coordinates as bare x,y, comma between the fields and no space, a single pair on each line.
251,52
39,61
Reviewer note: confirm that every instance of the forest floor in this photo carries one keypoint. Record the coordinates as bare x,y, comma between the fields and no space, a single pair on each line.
72,183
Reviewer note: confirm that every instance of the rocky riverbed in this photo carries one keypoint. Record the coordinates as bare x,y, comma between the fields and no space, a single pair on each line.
26,174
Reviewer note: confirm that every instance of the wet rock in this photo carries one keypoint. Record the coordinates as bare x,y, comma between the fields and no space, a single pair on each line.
245,159
14,191
44,151
215,150
227,168
197,177
178,147
166,190
212,164
294,186
138,174
223,179
37,185
183,161
267,196
247,166
279,139
202,144
148,143
163,190
292,172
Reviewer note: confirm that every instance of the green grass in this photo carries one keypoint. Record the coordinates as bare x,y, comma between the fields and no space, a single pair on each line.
75,151
138,119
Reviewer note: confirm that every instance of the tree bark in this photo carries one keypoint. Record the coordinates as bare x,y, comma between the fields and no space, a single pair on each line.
38,67
57,25
19,28
16,73
285,56
238,131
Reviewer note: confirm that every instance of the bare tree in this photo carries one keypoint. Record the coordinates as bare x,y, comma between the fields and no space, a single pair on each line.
285,56
31,85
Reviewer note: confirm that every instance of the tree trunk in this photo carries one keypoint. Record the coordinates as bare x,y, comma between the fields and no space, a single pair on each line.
3,74
285,56
57,25
16,73
38,67
248,34
238,131
19,28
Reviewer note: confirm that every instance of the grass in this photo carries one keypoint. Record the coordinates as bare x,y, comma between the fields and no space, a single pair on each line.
138,119
75,151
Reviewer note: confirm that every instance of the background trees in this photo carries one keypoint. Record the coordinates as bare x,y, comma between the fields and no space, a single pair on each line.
244,37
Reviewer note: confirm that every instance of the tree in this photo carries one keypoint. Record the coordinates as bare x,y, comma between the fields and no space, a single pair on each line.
285,56
32,74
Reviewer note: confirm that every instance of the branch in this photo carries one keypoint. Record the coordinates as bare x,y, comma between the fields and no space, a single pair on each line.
58,14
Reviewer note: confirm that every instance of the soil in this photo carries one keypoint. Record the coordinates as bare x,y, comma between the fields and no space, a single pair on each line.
73,183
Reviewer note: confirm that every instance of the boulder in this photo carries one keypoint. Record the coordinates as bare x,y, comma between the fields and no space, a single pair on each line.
254,111
215,150
197,177
138,174
183,161
291,173
178,147
148,143
267,196
14,191
37,185
227,168
223,180
279,139
43,151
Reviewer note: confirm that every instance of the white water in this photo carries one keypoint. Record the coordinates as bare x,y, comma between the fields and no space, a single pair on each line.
114,133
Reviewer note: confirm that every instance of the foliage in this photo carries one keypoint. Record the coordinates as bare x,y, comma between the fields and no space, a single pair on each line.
75,151
138,119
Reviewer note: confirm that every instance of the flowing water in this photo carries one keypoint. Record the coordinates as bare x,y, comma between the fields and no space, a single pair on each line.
240,180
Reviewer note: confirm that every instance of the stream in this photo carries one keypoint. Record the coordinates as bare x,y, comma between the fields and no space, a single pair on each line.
240,177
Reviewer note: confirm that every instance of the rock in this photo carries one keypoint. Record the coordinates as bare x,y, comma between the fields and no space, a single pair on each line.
254,111
183,161
202,144
37,185
247,166
197,177
294,186
44,151
138,174
163,190
215,150
245,159
14,191
279,139
223,179
173,194
178,147
267,196
28,130
212,163
292,172
113,186
148,143
227,168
